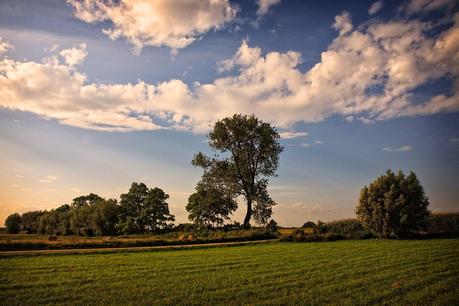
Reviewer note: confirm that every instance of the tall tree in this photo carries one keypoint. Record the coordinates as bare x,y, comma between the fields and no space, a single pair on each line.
13,223
209,206
31,221
86,200
104,217
394,205
246,153
144,209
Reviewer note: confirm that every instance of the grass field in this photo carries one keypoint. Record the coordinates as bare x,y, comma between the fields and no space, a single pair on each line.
9,242
343,272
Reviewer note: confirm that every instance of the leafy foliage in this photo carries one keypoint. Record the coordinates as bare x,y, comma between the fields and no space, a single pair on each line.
144,209
86,200
446,223
209,206
309,224
272,226
246,152
31,221
394,205
13,223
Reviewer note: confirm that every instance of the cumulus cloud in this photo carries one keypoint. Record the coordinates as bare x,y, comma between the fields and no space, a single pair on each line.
171,23
343,23
369,74
292,134
401,149
375,7
265,5
74,56
244,57
4,46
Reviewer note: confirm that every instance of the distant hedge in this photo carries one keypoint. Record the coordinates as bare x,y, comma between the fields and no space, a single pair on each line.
348,228
438,226
446,223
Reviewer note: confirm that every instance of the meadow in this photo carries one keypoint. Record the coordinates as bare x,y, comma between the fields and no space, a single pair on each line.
342,272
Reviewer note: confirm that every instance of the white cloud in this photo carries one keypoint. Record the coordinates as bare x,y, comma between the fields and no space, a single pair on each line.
74,56
305,145
318,142
292,134
244,57
401,149
171,23
343,23
4,46
48,179
375,7
265,5
395,57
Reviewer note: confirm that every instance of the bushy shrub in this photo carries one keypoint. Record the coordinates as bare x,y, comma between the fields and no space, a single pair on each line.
394,205
309,224
298,235
272,226
348,228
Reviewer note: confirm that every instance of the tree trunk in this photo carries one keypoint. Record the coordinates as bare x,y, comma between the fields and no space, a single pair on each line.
249,213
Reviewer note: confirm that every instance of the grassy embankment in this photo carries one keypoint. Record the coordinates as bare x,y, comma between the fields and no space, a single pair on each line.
342,272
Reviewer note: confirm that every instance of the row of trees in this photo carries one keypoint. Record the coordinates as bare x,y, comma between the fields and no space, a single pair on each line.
140,210
245,155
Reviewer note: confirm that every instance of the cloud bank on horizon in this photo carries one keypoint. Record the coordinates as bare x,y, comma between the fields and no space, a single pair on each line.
369,72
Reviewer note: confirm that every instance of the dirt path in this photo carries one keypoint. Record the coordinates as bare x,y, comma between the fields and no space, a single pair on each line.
129,249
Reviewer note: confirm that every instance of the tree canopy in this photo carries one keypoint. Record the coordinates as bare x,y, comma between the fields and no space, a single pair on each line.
144,209
246,153
394,205
209,206
13,223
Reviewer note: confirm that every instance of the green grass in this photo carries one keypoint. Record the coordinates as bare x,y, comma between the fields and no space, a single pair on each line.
11,242
342,272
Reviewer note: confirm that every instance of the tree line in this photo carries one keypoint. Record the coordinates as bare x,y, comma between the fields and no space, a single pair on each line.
140,210
245,154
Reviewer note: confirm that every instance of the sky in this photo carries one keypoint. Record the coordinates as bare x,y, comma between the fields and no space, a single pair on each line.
95,95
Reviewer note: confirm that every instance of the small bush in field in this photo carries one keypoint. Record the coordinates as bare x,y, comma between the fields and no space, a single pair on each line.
298,235
272,226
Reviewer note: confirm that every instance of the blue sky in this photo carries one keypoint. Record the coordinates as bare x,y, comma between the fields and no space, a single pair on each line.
93,100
